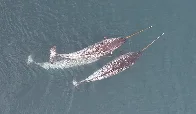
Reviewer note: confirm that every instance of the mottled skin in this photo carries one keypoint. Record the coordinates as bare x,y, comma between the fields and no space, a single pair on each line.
121,63
114,67
99,49
104,47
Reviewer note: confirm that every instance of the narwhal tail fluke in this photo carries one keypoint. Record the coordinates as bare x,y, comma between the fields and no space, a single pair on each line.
30,60
52,54
75,83
152,42
138,32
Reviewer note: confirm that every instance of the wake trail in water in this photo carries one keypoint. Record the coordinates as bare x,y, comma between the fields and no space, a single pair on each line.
71,100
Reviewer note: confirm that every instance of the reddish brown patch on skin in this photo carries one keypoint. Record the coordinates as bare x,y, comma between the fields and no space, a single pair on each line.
97,50
122,62
106,46
116,66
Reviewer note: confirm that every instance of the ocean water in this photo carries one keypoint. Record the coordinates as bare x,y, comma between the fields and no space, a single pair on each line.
162,81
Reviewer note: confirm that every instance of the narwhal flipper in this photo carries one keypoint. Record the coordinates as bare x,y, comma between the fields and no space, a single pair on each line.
53,54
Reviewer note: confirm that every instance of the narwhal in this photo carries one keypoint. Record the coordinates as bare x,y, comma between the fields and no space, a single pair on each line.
95,51
87,55
116,66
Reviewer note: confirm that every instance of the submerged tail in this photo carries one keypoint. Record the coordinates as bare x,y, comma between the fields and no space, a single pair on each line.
75,83
138,32
30,60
